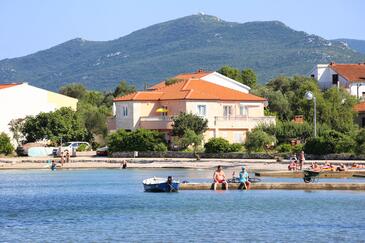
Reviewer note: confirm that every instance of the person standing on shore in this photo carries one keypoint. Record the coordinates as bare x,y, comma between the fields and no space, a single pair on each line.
67,157
62,159
301,160
219,177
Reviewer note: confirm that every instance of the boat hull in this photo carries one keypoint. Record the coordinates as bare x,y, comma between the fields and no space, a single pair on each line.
161,187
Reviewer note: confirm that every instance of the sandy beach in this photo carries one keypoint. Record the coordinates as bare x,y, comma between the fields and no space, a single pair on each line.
87,161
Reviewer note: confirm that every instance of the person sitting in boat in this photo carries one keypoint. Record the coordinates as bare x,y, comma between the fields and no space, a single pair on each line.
244,179
342,167
219,177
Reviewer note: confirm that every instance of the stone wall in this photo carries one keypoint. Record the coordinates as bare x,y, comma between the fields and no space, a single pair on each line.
176,154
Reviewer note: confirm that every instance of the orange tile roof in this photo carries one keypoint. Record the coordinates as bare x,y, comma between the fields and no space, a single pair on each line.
351,72
191,89
4,86
184,76
360,107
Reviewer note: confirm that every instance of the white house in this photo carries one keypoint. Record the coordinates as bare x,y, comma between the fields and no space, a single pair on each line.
18,100
349,76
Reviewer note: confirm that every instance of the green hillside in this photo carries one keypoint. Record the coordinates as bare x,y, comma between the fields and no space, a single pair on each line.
357,45
182,45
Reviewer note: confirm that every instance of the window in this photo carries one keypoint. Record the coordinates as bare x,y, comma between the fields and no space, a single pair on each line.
227,111
334,79
243,110
238,137
164,113
125,110
202,110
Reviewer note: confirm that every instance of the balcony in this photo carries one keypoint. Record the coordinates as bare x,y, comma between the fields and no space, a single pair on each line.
242,122
155,122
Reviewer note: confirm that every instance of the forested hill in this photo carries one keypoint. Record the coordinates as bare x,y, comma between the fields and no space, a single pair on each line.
357,45
183,45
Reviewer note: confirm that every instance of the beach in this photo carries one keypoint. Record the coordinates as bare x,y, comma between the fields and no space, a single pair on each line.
88,161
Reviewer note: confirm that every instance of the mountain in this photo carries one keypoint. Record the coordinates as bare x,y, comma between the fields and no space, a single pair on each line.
183,45
357,45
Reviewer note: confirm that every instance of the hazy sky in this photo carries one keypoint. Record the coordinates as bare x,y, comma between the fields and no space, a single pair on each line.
32,25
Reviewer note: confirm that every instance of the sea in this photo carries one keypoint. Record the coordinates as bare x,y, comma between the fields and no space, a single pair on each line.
110,205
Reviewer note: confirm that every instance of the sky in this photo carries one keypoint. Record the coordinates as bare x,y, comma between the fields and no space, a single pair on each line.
28,26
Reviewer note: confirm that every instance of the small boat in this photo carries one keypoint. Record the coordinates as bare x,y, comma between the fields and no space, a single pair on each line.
158,184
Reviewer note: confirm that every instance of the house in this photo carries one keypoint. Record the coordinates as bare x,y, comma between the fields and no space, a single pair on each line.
228,106
360,109
18,100
349,76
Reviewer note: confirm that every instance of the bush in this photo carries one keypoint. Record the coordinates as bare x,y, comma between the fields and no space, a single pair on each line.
284,148
138,140
297,148
235,147
217,145
258,141
360,142
5,145
319,146
221,145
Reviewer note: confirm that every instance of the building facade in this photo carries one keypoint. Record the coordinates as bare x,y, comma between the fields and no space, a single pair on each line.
228,106
349,76
21,100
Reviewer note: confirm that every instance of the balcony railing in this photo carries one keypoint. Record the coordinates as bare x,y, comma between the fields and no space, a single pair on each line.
156,118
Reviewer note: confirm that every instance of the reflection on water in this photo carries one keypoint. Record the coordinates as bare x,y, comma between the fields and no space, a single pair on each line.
110,205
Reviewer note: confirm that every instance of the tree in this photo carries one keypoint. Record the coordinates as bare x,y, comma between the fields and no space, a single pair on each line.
189,138
221,145
5,145
231,72
16,126
64,123
187,121
123,88
248,77
258,141
73,90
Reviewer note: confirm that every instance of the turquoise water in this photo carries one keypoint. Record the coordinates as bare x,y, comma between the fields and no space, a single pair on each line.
110,205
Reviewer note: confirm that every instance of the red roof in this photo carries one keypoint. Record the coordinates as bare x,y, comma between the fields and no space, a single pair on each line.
184,76
351,72
190,89
4,86
360,107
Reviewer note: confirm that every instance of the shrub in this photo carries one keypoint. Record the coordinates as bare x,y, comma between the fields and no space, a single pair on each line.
284,148
360,142
297,148
138,140
217,145
221,145
259,141
235,147
319,146
5,145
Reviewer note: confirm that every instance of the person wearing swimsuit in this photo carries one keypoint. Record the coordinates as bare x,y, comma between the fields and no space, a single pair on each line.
219,177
